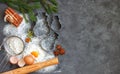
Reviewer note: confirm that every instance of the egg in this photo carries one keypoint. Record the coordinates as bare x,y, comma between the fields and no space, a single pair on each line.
29,60
35,50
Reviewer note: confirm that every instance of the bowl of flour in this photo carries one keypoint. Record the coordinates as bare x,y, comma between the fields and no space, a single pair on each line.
14,45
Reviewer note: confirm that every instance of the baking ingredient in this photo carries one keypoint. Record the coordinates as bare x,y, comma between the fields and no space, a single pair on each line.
40,28
48,42
12,17
13,60
29,60
35,53
27,39
61,51
21,63
58,46
56,52
34,47
15,45
20,31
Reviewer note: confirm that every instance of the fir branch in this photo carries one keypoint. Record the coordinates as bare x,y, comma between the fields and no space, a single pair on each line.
25,6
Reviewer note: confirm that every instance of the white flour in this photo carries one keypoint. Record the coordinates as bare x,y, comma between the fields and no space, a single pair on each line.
21,32
15,44
33,47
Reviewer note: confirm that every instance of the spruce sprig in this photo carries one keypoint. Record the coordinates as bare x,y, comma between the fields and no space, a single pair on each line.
27,6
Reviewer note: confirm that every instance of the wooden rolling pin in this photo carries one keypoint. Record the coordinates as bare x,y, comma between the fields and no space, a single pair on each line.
34,67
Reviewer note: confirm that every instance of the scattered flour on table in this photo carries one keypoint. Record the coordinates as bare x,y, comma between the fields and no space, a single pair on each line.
21,32
33,47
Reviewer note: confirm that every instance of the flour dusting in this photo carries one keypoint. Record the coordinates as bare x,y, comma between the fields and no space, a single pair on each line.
20,31
34,45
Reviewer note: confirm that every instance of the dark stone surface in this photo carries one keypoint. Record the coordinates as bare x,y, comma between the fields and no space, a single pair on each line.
90,34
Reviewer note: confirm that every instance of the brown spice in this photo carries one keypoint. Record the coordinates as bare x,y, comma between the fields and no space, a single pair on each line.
58,47
13,17
56,53
27,39
61,51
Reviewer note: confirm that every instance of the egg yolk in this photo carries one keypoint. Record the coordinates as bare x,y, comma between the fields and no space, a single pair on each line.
35,53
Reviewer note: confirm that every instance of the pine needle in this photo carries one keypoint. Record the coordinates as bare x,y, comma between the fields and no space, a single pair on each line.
27,6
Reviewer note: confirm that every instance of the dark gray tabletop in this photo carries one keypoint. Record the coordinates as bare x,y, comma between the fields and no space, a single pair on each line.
90,34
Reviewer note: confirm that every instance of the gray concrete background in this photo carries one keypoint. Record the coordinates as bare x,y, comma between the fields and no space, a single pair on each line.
90,34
